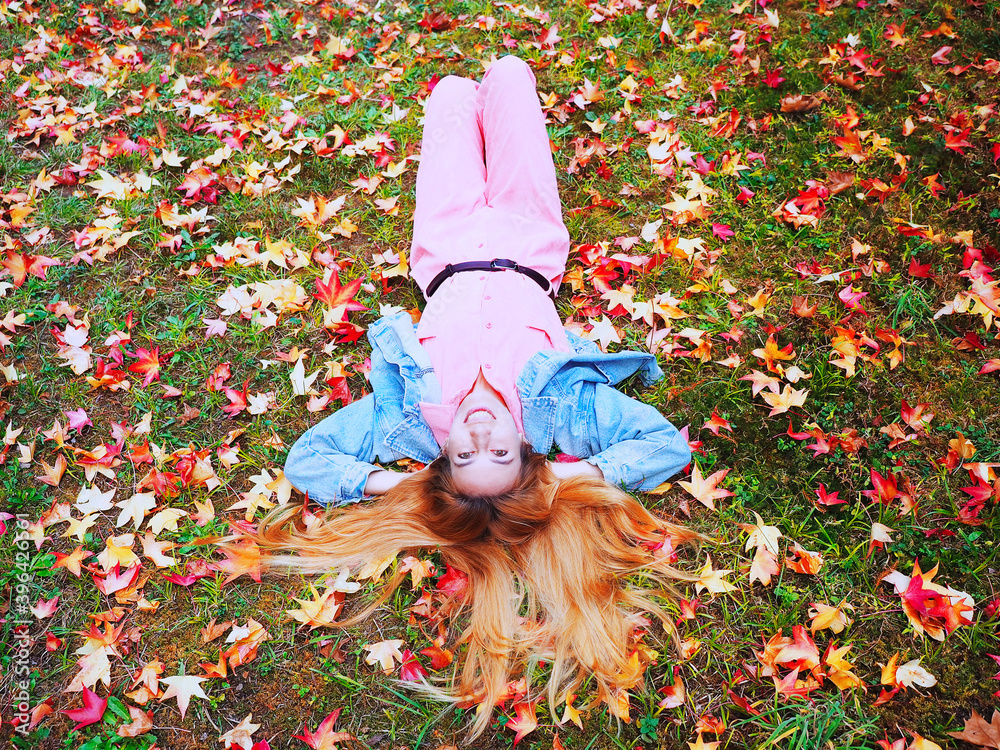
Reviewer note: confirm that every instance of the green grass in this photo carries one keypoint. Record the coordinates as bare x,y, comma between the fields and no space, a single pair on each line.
295,679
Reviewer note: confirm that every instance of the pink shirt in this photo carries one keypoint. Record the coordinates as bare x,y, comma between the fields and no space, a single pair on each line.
494,321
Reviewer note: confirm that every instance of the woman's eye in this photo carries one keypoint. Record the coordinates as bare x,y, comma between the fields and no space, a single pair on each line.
463,456
501,454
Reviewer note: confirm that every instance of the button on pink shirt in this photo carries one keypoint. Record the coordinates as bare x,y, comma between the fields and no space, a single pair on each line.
490,321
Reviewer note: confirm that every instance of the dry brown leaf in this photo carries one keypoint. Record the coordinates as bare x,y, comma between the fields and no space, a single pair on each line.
799,103
978,732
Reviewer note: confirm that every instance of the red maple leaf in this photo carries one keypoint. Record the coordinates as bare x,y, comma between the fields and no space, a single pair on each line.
347,332
242,558
453,582
932,184
106,376
164,484
773,77
602,275
237,399
440,656
116,580
324,736
955,140
787,686
914,415
885,487
850,146
918,597
140,454
339,297
941,56
894,33
17,265
148,364
200,184
411,670
716,423
920,270
826,499
92,711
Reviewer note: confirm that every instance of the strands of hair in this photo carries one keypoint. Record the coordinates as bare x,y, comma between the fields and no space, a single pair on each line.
547,566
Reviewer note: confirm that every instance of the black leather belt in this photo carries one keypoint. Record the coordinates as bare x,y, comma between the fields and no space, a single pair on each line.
497,264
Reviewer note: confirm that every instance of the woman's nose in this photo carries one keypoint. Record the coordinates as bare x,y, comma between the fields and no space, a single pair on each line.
481,431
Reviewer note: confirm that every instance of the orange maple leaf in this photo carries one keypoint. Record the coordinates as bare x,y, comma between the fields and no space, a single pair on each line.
524,722
148,364
71,561
850,146
242,558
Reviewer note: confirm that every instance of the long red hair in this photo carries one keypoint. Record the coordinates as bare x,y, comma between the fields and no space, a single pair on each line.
547,566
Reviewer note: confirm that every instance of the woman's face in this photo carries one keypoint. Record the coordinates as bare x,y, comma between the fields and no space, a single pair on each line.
484,446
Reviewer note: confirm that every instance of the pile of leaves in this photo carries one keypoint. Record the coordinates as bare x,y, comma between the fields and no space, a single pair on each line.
795,207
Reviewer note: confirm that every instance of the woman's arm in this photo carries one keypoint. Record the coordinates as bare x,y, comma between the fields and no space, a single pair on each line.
632,444
333,460
563,470
382,480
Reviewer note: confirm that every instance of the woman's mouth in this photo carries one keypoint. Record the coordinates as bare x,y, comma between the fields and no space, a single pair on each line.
484,415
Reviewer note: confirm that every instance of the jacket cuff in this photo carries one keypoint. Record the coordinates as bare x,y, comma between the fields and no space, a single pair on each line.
352,484
613,472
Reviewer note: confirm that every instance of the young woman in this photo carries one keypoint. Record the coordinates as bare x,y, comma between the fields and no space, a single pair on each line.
481,390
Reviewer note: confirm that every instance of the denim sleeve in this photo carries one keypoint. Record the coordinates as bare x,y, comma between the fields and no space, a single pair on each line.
331,461
638,448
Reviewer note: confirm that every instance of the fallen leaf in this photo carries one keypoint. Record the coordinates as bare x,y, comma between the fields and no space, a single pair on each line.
826,617
142,722
524,721
324,738
384,653
978,732
183,688
92,711
713,580
706,490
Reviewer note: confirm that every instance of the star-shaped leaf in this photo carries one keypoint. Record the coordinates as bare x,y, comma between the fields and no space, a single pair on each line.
383,653
706,490
713,580
92,711
183,688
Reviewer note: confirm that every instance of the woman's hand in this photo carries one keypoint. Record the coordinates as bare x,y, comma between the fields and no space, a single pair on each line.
575,469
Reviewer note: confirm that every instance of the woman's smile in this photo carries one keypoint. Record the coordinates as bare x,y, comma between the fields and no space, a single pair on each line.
480,414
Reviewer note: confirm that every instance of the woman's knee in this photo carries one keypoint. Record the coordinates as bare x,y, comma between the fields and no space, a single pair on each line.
454,87
511,66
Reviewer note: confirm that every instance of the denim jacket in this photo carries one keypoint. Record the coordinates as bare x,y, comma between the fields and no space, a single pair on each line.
567,399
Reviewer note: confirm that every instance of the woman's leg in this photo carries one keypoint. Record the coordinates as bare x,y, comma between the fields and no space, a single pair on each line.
520,174
451,178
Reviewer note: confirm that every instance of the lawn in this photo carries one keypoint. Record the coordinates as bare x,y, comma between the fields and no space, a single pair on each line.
795,206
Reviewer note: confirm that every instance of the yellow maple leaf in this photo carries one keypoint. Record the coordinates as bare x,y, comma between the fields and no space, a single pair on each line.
713,580
825,616
320,611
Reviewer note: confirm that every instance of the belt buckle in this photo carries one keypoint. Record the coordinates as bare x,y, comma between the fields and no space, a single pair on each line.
504,263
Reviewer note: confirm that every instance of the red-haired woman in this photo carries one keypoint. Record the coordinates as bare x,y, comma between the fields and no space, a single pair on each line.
481,390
